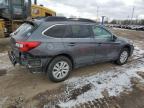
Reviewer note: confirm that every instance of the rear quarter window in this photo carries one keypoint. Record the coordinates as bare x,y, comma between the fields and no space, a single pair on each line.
58,31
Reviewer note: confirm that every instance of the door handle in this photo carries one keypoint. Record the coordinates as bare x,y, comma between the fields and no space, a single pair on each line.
71,44
99,44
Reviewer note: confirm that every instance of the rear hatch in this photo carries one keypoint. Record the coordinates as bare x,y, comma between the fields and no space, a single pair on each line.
21,34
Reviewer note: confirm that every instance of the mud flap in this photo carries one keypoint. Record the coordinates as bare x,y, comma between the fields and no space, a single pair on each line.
12,58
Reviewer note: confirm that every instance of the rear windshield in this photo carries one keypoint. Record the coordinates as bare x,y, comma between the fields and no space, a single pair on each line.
3,2
23,31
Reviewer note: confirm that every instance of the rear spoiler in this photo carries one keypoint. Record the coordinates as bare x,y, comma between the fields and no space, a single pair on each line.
30,22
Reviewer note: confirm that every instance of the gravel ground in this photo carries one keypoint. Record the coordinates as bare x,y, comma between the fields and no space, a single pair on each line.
104,85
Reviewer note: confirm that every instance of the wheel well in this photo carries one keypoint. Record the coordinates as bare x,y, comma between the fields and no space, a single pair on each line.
65,55
128,47
68,56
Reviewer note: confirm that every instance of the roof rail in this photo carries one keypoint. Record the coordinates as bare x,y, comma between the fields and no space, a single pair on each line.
39,18
82,20
59,18
55,18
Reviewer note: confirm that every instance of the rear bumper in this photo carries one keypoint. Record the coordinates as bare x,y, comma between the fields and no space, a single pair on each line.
34,64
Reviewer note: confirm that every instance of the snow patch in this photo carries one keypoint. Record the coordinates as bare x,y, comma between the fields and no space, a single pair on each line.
138,52
3,54
4,61
113,81
2,101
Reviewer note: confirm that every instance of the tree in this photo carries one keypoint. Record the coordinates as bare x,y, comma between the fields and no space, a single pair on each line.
142,22
113,22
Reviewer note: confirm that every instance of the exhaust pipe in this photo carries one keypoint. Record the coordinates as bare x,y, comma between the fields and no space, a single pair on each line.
35,2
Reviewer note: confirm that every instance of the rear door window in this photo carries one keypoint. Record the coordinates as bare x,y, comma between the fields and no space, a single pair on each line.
81,31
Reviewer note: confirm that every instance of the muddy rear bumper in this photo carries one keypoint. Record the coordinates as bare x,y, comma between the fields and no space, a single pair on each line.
33,63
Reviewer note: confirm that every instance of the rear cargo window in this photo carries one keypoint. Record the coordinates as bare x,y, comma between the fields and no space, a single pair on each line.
23,30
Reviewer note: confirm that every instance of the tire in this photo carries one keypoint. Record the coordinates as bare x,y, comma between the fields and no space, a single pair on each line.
123,60
56,72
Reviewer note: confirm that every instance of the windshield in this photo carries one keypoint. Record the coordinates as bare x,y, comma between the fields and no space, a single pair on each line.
3,2
23,31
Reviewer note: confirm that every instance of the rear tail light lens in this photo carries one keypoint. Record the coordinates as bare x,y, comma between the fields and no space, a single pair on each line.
27,46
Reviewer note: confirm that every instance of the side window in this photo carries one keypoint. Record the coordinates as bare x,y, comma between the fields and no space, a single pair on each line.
18,2
68,32
57,31
101,33
17,7
81,31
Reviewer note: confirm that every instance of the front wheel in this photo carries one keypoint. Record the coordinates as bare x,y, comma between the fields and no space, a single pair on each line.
59,69
123,57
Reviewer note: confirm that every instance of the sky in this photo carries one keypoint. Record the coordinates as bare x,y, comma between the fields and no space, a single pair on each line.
93,9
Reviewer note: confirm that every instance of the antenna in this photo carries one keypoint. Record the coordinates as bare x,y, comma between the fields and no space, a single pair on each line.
97,11
102,23
132,14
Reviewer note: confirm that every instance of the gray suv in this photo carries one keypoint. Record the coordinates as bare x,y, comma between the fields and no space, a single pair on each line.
56,45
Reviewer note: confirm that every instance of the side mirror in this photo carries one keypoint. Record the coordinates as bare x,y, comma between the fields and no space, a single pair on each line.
114,37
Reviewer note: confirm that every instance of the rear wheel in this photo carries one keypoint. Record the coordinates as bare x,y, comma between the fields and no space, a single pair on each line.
123,56
59,69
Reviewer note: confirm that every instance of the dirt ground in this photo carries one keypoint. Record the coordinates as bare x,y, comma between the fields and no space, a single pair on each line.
21,89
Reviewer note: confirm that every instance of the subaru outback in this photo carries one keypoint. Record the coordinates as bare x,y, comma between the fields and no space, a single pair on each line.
56,45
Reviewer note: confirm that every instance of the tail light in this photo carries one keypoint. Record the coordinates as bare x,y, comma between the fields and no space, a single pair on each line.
26,46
